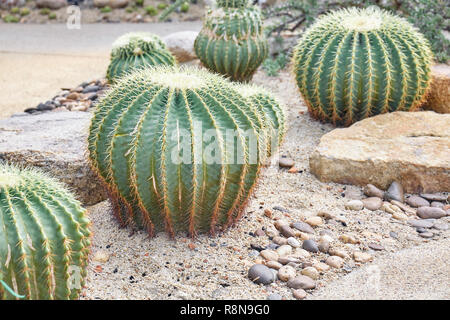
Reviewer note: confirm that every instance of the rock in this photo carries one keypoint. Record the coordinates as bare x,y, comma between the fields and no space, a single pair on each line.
101,3
439,225
293,242
286,273
286,231
56,143
286,260
284,250
363,257
416,201
438,98
353,194
400,216
325,215
437,204
391,208
259,273
354,205
409,147
310,245
279,223
90,89
426,235
434,197
260,233
301,282
394,192
51,4
311,272
101,256
274,296
269,255
273,265
372,203
338,252
279,240
321,267
371,191
302,226
420,223
286,162
181,44
407,209
430,212
324,246
314,221
115,4
335,262
299,294
375,246
346,238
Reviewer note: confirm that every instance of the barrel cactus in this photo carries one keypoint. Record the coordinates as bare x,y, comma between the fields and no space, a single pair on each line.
270,111
231,41
44,237
179,150
137,50
356,63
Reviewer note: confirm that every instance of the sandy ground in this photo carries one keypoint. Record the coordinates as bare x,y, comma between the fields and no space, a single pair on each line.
216,268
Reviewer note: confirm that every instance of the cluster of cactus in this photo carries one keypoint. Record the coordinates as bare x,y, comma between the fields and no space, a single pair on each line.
44,237
179,149
231,41
137,50
356,63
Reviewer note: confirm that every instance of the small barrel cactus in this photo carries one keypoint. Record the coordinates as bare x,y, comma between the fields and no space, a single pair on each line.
137,50
179,150
356,63
44,237
271,112
231,41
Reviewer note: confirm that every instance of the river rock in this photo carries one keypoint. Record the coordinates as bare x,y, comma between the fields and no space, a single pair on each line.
430,212
311,272
354,205
310,245
314,221
416,201
335,262
269,255
437,204
438,98
409,147
299,294
286,273
302,226
260,274
116,4
273,265
394,192
287,231
434,196
301,282
181,44
363,257
416,223
54,142
371,191
293,242
372,203
286,162
284,250
51,4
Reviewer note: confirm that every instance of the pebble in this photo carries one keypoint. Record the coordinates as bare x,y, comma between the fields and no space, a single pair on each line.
375,246
390,208
279,240
399,216
371,191
299,294
314,221
359,256
284,250
302,226
301,253
311,272
325,215
301,282
293,242
101,256
89,89
260,233
407,209
420,223
395,192
253,253
353,194
346,238
310,245
286,273
416,201
372,203
434,196
321,267
259,273
274,296
426,235
279,208
335,261
286,260
430,212
338,252
324,246
73,96
393,234
439,225
272,246
286,162
274,265
354,205
287,231
279,223
269,255
437,204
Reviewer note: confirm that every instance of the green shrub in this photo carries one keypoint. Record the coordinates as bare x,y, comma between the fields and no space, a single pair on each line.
162,6
14,10
139,3
52,16
129,9
105,9
272,66
24,11
151,10
45,11
184,7
10,19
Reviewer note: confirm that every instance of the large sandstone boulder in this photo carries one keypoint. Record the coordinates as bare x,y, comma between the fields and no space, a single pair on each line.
410,147
51,4
181,44
439,97
56,143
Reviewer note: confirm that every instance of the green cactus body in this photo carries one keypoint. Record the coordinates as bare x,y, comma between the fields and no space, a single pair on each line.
137,50
271,113
356,63
44,237
232,42
150,141
232,3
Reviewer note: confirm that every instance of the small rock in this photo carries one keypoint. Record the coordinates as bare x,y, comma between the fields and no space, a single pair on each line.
310,245
268,213
279,223
399,216
375,246
346,238
395,192
101,256
279,240
440,225
325,215
269,255
371,191
338,252
372,203
434,196
437,204
287,231
286,162
420,223
426,235
256,247
272,246
302,226
335,262
302,282
311,272
359,256
90,89
416,201
286,273
259,273
260,233
321,267
286,260
421,230
274,265
279,208
73,96
353,194
393,234
354,205
299,294
283,251
293,242
430,212
407,209
301,253
314,221
274,296
324,246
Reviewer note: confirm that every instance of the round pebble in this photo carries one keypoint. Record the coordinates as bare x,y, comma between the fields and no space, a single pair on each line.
283,250
314,221
260,274
302,226
269,255
286,273
354,205
310,245
335,262
286,162
416,201
299,294
301,282
311,272
293,242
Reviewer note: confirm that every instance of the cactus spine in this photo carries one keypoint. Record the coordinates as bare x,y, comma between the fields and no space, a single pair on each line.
231,41
151,141
44,236
137,50
356,63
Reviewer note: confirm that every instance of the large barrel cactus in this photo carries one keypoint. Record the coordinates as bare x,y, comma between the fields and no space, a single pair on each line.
137,50
44,237
356,63
179,150
231,41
